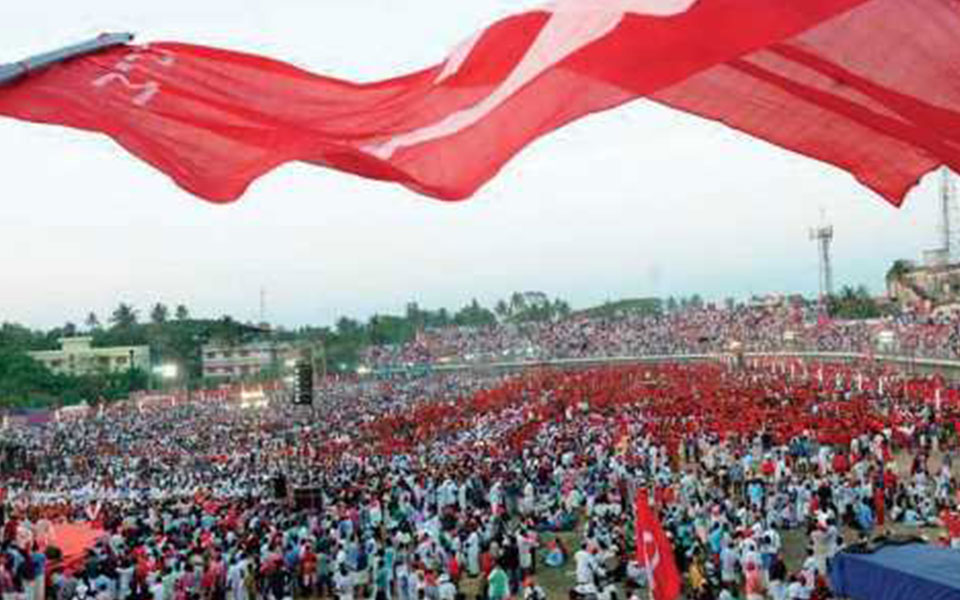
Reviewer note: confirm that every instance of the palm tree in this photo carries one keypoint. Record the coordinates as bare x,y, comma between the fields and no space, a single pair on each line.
124,316
182,313
158,315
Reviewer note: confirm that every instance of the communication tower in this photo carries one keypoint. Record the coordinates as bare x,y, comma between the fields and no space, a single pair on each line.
823,235
948,217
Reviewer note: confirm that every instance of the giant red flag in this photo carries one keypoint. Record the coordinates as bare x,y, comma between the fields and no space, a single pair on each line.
867,85
655,553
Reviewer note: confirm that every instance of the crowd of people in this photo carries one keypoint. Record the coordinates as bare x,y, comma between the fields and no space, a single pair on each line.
695,330
488,486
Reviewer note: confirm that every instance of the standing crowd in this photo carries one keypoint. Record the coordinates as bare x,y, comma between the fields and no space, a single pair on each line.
485,486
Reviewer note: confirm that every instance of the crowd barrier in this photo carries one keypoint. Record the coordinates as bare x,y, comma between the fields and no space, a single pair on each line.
949,369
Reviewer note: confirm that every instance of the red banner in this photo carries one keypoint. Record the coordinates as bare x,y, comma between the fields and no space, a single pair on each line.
866,85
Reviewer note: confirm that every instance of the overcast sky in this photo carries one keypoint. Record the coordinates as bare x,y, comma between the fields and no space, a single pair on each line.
634,202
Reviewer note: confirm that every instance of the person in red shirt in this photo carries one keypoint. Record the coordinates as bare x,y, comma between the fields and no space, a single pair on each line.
879,505
768,468
308,566
453,568
840,463
486,563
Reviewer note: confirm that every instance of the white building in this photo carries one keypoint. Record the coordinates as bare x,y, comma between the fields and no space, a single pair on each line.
78,357
243,360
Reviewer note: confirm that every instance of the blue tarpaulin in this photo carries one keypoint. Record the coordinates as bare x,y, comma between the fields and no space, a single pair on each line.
911,572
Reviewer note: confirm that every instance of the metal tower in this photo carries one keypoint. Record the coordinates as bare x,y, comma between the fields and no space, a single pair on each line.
948,217
824,237
263,305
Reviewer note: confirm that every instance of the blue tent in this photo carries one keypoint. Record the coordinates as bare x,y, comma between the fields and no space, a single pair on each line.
910,572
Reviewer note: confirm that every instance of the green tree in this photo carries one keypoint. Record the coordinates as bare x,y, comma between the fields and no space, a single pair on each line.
158,314
853,303
124,316
672,305
518,304
415,317
92,322
474,315
182,313
561,310
441,318
349,329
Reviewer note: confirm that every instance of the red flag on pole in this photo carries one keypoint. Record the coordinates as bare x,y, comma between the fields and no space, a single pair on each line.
655,553
866,85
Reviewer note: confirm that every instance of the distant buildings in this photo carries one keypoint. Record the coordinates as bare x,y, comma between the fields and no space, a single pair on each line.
78,357
241,361
934,285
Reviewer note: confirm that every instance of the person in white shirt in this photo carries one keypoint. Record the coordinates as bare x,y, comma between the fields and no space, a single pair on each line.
797,590
236,588
586,566
446,589
729,558
343,583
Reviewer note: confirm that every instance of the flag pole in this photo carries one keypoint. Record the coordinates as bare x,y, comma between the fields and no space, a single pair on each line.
11,72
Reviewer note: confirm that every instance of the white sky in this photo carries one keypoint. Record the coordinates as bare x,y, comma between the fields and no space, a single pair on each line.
634,202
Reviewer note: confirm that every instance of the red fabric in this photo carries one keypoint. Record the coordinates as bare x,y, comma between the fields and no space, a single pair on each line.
655,553
73,540
952,522
867,85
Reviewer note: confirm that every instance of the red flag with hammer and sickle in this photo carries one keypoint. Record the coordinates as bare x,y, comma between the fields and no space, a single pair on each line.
655,553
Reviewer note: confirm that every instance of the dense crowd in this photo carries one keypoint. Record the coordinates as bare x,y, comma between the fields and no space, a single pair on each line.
490,486
761,328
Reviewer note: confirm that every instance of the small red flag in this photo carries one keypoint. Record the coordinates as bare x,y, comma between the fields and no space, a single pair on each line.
655,553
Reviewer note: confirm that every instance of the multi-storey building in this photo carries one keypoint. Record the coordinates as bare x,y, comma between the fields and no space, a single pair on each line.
77,357
244,360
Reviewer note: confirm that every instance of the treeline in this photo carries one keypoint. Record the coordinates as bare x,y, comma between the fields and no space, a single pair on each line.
854,303
344,343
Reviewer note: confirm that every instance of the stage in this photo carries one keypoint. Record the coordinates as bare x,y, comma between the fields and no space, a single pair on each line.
907,572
